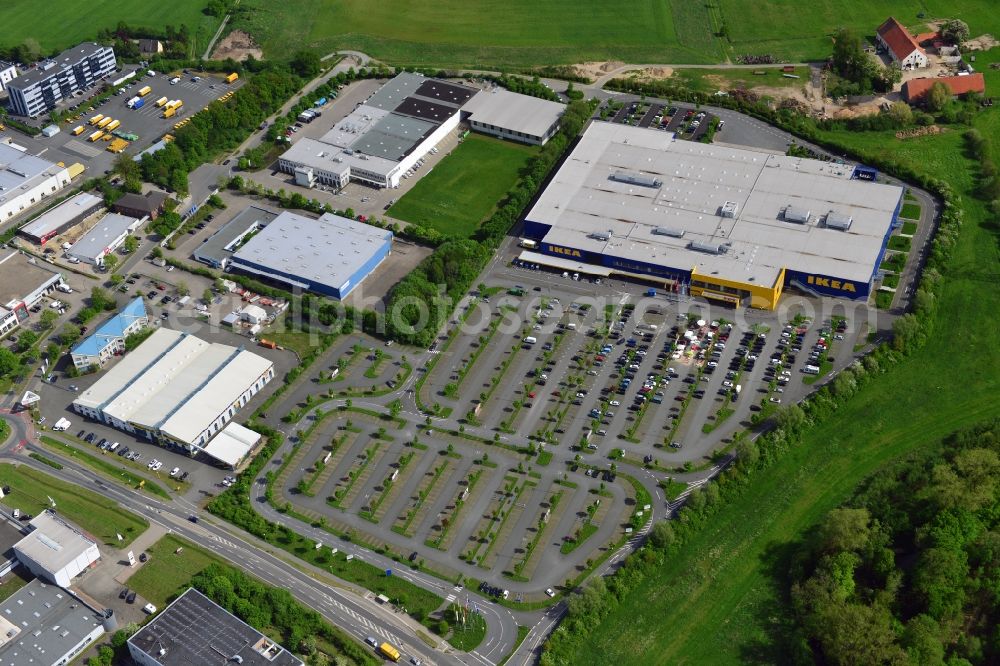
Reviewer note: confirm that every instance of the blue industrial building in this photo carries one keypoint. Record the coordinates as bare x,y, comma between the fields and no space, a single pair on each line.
331,255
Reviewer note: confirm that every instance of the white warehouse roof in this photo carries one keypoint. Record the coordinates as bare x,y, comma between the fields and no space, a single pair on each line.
52,543
514,112
232,444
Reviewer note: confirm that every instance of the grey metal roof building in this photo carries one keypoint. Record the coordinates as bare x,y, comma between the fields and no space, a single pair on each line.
45,625
728,223
26,180
220,246
195,631
513,116
109,232
62,218
40,89
331,255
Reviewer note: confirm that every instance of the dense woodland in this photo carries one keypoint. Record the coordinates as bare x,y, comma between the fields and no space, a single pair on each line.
908,572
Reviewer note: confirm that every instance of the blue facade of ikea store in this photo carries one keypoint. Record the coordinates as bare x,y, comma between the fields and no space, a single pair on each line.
826,285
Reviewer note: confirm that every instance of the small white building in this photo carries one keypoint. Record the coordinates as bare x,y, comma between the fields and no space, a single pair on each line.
253,314
231,446
55,551
8,72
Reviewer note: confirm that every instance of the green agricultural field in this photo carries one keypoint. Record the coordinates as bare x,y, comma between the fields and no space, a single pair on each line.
31,490
470,33
789,30
721,600
464,187
711,80
59,24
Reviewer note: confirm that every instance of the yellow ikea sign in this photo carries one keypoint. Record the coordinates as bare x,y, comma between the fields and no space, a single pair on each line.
565,251
831,284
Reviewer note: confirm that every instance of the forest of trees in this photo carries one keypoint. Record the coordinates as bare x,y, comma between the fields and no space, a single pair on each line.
908,571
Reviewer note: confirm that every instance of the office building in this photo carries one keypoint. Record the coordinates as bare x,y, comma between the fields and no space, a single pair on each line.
108,339
729,224
103,238
8,72
39,90
140,206
23,281
512,116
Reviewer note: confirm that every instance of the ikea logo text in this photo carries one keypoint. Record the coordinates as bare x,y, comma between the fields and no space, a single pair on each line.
565,251
831,284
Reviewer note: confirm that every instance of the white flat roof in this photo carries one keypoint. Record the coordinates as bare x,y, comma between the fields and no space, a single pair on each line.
514,112
318,155
327,250
175,383
590,211
108,229
232,444
53,543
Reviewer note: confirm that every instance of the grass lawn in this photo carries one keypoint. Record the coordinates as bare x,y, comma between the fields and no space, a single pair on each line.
514,33
66,23
167,574
101,517
721,600
901,243
910,211
909,228
291,338
468,635
464,187
14,581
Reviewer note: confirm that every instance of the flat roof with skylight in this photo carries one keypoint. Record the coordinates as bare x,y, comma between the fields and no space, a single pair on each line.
714,210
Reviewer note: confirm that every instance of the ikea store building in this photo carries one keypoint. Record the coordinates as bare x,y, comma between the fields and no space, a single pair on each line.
731,225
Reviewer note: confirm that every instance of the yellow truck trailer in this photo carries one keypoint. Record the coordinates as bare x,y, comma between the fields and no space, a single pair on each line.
78,130
104,123
145,90
169,112
96,136
117,146
96,119
163,100
232,77
113,125
389,652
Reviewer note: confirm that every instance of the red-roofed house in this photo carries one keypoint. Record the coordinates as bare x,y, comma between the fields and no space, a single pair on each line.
902,47
915,90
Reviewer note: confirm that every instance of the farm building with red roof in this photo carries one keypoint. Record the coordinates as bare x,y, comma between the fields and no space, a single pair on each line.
915,90
900,44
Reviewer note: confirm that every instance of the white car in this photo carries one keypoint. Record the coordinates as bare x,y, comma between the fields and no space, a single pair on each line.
549,591
157,466
615,403
152,463
175,471
149,608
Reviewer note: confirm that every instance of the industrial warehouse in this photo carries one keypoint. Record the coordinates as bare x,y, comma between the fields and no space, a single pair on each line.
26,180
61,218
384,137
177,389
331,255
727,224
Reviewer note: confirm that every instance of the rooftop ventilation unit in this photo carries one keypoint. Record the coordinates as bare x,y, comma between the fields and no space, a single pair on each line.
708,248
728,209
600,235
669,231
838,221
636,179
796,215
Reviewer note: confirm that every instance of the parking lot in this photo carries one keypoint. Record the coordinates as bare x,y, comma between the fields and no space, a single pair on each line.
146,122
687,123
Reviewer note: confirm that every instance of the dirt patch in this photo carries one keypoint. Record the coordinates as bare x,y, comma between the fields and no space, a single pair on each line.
595,70
237,45
920,131
981,43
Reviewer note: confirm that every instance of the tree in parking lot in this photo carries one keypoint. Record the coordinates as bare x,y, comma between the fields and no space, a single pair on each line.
206,296
131,243
116,279
110,261
48,319
69,334
100,299
8,361
27,339
183,289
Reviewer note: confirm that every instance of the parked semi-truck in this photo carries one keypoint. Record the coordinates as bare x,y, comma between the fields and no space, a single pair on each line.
96,119
232,77
105,122
131,102
78,130
96,136
139,103
113,125
169,111
389,652
163,100
145,90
